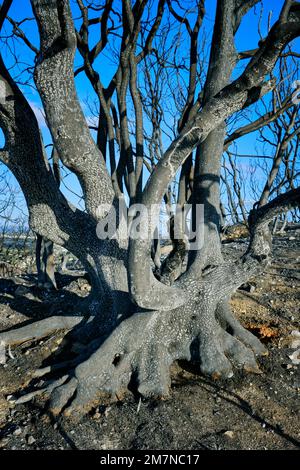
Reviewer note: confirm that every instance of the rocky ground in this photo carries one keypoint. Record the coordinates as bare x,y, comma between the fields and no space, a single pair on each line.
246,412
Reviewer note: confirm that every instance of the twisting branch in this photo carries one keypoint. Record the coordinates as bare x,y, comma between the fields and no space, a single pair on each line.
279,155
259,219
262,121
245,90
50,214
257,256
20,34
148,42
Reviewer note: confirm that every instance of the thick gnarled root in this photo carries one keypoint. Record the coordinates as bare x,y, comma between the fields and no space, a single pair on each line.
213,361
142,349
139,352
238,331
220,350
47,388
38,330
120,360
219,358
240,355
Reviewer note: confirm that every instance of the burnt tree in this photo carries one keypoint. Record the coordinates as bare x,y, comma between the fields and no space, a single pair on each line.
136,326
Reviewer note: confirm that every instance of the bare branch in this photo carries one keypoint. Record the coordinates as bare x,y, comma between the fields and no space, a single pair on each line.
258,123
20,34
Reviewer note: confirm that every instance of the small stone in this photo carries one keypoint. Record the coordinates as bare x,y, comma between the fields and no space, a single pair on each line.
229,434
3,442
295,334
295,357
30,440
17,431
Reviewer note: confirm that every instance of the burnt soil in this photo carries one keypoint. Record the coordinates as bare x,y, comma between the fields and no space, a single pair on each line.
246,412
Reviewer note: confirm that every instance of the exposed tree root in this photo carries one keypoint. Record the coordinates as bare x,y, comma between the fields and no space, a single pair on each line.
140,351
48,387
239,355
237,330
39,329
145,358
220,351
38,373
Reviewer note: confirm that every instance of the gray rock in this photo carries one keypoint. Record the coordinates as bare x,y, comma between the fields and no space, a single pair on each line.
17,431
30,440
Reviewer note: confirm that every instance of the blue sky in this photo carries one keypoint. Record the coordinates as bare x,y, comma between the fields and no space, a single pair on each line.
246,38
